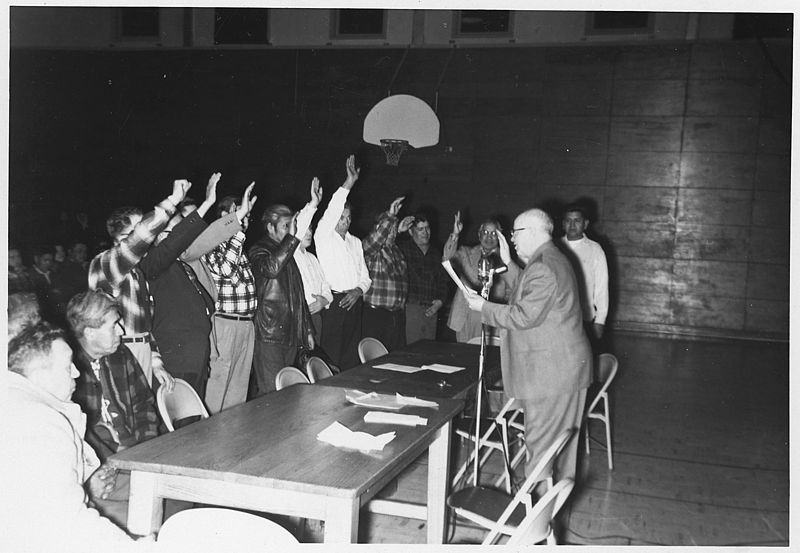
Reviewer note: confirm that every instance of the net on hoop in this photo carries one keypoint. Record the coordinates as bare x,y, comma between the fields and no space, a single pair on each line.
393,149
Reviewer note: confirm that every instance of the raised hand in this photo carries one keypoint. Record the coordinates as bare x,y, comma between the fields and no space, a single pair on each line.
394,209
211,188
405,224
457,224
179,189
243,211
316,192
505,251
352,172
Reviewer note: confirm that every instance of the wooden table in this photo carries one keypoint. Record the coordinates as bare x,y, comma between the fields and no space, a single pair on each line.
264,456
426,383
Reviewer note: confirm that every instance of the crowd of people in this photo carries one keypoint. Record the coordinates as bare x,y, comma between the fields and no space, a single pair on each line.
173,296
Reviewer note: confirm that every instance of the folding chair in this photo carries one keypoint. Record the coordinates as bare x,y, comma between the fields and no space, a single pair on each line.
215,529
606,371
289,376
317,369
180,404
370,348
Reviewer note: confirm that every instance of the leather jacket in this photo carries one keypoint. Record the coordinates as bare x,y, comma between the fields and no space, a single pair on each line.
282,316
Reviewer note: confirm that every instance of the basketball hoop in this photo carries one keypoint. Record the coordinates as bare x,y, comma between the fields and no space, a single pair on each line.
393,149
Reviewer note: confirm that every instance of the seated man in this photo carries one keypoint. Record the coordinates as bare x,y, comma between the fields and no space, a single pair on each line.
112,389
48,463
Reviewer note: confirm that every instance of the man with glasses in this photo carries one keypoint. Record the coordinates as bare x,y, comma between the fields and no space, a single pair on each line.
545,355
112,389
465,261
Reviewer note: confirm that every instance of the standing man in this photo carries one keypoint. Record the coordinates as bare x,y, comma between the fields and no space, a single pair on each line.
591,270
119,271
119,404
427,281
341,257
465,260
545,356
234,292
384,303
282,321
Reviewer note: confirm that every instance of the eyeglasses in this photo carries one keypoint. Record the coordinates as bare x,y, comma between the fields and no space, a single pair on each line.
516,230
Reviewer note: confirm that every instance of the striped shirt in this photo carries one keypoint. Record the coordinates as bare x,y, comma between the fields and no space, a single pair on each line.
386,264
233,277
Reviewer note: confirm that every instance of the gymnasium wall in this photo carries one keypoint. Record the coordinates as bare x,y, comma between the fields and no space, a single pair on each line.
683,150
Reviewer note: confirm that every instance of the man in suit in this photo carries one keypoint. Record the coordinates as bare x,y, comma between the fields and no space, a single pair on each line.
545,355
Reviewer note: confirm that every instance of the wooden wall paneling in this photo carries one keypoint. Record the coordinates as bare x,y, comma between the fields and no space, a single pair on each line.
725,60
636,275
659,169
644,307
572,168
650,204
652,62
631,238
768,316
703,278
648,134
712,170
772,209
714,206
711,242
729,97
555,197
768,282
578,63
773,172
648,97
577,97
769,245
515,65
774,135
776,92
574,134
708,311
721,134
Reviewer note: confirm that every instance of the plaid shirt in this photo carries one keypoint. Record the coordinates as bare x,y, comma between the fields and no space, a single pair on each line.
115,270
128,398
386,264
233,277
427,279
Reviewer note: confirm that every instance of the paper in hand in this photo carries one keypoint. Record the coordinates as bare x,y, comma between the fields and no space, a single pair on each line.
450,271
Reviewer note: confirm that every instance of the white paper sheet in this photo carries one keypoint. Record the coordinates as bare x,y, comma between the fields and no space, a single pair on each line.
446,369
450,271
416,402
373,399
340,436
399,368
382,417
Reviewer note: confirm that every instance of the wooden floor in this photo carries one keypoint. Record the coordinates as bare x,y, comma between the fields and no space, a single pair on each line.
701,454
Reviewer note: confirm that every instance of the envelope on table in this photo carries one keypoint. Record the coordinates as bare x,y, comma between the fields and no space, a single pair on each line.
382,417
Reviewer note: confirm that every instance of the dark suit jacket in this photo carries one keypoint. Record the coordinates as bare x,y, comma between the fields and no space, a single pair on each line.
543,348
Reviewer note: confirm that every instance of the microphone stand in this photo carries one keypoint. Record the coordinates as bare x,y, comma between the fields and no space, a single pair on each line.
487,286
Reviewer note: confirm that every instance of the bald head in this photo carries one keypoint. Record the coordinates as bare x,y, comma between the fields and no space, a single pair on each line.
532,228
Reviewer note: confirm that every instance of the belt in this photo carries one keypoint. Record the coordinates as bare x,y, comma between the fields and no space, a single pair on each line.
136,340
384,308
234,317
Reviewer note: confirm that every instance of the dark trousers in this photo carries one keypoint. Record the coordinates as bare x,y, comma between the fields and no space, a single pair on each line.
341,332
268,359
186,357
387,326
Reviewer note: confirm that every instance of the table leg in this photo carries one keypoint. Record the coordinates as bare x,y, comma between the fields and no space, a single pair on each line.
438,461
341,520
145,508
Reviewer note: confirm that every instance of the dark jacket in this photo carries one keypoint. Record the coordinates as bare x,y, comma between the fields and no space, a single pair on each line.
282,316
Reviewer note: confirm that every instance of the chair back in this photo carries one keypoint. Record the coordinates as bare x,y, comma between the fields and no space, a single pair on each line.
289,376
536,526
317,369
370,348
180,403
491,340
607,366
214,529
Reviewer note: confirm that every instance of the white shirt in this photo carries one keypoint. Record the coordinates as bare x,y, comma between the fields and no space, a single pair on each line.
594,296
341,259
313,278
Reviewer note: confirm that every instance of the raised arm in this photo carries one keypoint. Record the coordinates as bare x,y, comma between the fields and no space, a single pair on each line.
327,223
451,246
211,194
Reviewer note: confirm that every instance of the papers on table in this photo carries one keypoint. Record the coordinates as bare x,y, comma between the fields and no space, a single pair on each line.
386,401
398,368
446,369
381,417
340,436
